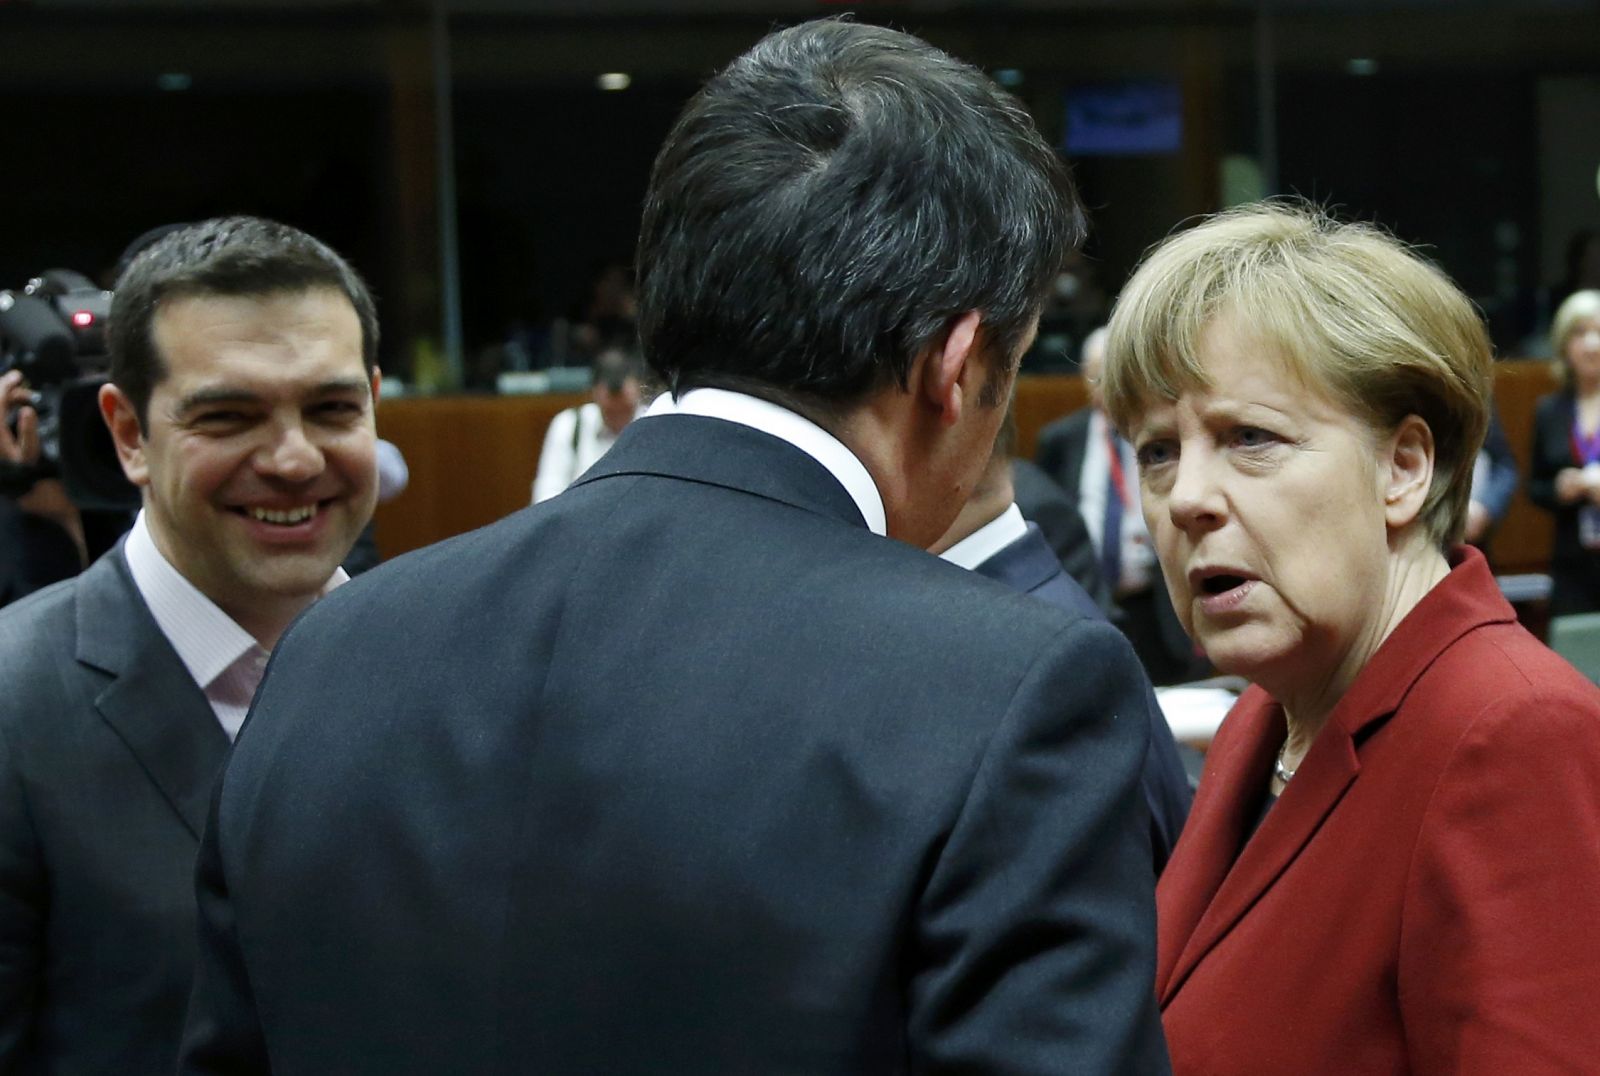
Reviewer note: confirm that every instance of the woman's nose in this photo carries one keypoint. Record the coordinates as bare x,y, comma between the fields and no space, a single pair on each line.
1196,500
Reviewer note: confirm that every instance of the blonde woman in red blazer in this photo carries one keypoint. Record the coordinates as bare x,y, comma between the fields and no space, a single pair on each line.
1393,861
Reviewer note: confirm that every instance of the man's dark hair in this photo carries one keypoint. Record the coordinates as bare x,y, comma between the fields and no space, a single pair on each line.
233,257
828,204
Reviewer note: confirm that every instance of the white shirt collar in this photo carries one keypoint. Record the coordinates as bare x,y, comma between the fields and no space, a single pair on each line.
207,640
988,539
785,425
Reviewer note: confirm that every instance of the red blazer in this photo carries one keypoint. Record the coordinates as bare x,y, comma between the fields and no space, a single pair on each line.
1425,896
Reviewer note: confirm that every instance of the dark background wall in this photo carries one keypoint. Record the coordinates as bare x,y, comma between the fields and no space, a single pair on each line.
1451,124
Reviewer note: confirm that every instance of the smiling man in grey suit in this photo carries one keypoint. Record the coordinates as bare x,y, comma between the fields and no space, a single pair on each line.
242,384
704,765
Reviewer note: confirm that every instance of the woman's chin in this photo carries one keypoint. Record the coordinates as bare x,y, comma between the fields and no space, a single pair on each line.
1245,653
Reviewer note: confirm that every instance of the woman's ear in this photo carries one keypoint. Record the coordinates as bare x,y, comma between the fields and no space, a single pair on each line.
1408,471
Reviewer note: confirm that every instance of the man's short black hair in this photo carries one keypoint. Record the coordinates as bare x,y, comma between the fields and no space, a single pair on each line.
828,204
234,257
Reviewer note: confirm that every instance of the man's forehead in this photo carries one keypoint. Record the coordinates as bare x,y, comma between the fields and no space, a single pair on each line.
285,306
205,320
215,343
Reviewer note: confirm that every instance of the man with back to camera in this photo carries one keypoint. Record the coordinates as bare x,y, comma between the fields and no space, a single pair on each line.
241,398
691,769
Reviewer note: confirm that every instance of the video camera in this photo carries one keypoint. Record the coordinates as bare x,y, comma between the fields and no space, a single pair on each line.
53,330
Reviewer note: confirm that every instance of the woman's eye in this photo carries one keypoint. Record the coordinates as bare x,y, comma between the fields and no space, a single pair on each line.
1154,453
1252,437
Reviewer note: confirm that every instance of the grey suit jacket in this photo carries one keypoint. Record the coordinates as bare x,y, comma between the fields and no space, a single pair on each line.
108,750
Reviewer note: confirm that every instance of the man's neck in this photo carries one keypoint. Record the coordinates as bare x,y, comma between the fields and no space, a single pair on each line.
987,504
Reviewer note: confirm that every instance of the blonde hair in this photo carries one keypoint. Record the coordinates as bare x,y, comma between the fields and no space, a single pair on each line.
1579,306
1350,310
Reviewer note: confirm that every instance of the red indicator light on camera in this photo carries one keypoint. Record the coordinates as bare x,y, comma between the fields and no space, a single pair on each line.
82,318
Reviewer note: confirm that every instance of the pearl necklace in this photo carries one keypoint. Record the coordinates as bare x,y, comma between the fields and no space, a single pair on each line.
1280,771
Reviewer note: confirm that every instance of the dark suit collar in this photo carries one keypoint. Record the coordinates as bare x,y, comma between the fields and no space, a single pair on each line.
1222,888
1025,564
726,454
152,702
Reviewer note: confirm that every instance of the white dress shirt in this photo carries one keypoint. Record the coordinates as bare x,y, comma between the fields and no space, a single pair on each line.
988,539
224,659
785,425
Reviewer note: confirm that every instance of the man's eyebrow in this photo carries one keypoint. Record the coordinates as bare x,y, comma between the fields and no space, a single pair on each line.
208,397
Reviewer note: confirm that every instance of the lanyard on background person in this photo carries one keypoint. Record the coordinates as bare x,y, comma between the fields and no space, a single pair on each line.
1586,450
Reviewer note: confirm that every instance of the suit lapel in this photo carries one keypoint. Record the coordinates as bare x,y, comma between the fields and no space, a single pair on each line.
1324,776
152,702
1025,564
1219,894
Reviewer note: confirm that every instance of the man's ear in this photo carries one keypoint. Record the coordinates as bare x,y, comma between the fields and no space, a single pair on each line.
123,422
1407,470
949,374
377,379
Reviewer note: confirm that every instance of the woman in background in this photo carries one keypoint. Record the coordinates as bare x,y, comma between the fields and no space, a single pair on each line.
1392,864
1564,475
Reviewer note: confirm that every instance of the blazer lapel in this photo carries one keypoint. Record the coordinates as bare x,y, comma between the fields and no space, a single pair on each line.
1327,771
152,702
1465,599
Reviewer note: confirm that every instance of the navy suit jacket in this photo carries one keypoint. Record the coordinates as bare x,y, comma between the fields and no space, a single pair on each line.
683,770
108,750
1030,565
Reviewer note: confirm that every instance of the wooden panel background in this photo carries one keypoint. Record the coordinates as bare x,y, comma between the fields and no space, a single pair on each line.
472,458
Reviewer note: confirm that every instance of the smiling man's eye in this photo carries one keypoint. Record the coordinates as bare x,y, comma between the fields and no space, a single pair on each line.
338,408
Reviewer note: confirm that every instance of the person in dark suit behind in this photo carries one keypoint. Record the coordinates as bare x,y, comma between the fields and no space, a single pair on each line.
1086,457
705,765
1046,504
242,381
992,537
41,533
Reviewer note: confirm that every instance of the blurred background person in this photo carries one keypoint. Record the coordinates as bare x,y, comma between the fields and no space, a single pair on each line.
579,436
1393,860
41,532
991,537
1095,465
1564,468
1494,482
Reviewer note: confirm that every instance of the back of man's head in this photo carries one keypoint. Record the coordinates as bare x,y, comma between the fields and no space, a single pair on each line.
226,257
829,203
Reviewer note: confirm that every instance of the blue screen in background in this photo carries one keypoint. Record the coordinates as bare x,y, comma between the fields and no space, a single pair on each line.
1124,118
